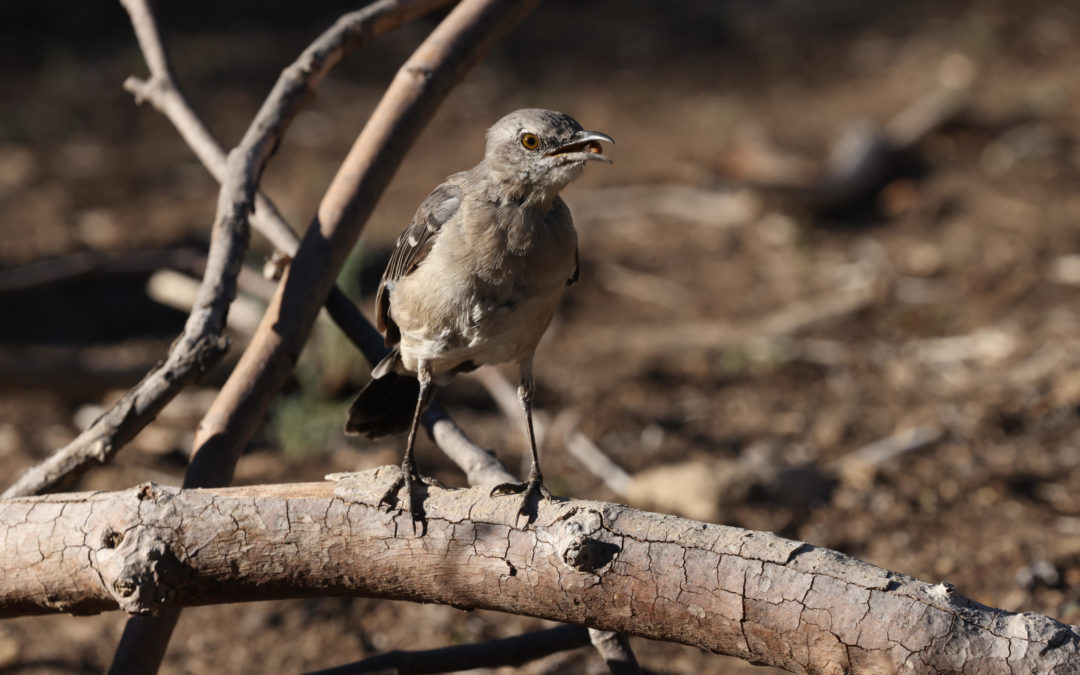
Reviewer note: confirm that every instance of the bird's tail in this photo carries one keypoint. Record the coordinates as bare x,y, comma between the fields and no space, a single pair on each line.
386,405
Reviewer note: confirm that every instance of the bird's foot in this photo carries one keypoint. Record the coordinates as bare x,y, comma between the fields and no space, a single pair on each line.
403,491
533,487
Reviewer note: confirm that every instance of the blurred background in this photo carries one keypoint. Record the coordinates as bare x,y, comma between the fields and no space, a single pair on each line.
829,287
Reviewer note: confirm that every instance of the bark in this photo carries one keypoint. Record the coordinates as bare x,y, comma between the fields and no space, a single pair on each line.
748,594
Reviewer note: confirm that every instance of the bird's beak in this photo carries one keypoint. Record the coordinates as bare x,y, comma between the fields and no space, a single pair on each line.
584,146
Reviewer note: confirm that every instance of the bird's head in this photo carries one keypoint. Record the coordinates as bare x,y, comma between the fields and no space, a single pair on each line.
541,151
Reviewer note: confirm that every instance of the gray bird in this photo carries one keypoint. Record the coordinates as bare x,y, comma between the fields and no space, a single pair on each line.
475,280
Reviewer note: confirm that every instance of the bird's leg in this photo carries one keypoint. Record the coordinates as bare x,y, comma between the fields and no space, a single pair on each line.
535,483
409,475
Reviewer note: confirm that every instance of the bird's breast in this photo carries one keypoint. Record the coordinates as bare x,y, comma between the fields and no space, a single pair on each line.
485,294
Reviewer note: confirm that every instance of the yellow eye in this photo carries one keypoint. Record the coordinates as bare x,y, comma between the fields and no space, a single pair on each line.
530,141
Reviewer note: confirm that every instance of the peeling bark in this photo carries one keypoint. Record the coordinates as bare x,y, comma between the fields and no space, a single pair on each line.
748,594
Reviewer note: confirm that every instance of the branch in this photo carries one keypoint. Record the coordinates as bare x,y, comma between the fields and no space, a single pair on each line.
748,594
615,649
163,91
202,343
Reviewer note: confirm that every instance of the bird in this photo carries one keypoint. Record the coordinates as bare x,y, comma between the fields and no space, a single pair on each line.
475,280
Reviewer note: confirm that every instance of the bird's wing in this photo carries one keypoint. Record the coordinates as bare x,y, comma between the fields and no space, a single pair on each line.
412,246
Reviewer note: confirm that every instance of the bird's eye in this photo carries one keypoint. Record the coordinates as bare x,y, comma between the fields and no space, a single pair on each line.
530,141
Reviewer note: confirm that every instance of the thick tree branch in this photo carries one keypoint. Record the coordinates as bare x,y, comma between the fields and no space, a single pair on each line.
747,594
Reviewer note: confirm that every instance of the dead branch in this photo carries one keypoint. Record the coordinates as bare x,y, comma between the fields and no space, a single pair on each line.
178,290
420,85
748,594
511,651
202,343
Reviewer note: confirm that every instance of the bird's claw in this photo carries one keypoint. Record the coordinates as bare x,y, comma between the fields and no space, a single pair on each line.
528,489
413,504
391,495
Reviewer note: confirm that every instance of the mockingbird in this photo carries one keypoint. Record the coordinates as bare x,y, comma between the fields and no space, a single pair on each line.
476,278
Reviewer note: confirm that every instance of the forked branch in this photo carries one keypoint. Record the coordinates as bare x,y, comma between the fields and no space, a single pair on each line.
203,343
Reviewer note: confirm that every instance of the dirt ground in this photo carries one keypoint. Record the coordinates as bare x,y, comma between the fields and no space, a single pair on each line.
739,351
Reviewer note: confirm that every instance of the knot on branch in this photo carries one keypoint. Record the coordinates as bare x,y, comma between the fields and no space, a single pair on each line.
421,72
579,545
101,450
209,350
152,89
134,556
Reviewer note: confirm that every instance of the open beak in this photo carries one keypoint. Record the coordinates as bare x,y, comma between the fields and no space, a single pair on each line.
584,146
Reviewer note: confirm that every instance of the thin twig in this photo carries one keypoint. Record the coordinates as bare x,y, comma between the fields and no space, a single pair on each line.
894,445
511,651
420,85
177,290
